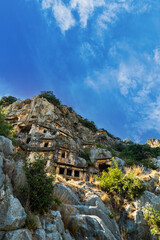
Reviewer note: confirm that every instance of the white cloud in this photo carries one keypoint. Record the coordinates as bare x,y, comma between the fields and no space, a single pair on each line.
110,11
126,79
86,9
47,3
63,16
157,55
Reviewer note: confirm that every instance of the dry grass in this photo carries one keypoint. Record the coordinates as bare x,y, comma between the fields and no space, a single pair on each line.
124,234
105,198
66,214
138,170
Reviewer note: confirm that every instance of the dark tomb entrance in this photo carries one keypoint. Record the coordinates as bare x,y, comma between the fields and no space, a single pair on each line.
61,171
69,172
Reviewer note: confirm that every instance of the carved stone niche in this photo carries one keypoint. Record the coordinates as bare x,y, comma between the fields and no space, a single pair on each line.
71,172
103,165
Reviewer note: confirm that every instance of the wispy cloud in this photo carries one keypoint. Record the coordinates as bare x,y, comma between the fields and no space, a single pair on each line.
63,15
137,81
157,55
108,14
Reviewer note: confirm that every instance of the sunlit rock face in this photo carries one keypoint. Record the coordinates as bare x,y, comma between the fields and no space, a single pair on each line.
153,142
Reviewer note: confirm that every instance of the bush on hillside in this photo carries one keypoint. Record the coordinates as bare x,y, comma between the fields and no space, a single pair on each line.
89,124
114,181
152,217
6,130
50,97
139,153
39,191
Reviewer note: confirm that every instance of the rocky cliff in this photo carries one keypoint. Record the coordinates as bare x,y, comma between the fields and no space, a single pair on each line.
86,211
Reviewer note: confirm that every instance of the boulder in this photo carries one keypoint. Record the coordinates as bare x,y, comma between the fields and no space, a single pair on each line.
67,194
21,234
18,176
2,177
120,162
6,146
89,227
97,153
39,234
67,236
12,214
58,221
147,198
53,236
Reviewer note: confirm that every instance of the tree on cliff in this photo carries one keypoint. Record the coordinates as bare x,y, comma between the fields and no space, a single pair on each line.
5,101
50,97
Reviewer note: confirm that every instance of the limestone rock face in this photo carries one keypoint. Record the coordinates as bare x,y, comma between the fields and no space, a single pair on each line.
99,153
153,142
147,197
12,214
69,195
120,162
90,227
6,146
21,234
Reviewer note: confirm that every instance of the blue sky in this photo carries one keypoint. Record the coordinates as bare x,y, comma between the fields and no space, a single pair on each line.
102,57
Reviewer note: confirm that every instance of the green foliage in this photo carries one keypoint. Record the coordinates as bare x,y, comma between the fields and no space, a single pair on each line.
98,145
31,221
6,130
111,181
114,181
89,124
119,147
139,153
40,186
112,151
111,215
70,109
153,219
50,97
5,101
132,186
86,155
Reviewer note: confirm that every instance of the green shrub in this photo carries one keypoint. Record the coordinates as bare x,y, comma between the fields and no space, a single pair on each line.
5,101
6,129
114,181
119,147
111,215
114,153
86,155
111,181
31,222
98,145
139,153
132,186
89,124
153,219
40,186
70,109
50,97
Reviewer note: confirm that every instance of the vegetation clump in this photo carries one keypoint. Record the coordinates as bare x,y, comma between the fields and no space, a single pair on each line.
5,101
86,155
31,221
6,129
137,154
50,97
114,181
152,217
89,124
39,191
